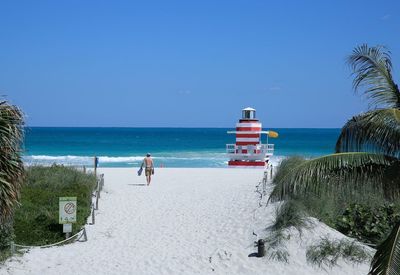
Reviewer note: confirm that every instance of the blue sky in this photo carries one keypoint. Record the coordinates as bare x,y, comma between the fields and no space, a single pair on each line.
188,63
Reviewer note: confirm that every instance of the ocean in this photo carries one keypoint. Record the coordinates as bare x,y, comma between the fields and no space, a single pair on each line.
170,147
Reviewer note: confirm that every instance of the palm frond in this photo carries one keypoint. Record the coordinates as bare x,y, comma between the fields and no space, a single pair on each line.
335,173
11,167
286,166
372,68
386,260
374,131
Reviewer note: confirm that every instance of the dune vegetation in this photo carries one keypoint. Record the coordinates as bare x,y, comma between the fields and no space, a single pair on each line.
29,197
356,189
36,219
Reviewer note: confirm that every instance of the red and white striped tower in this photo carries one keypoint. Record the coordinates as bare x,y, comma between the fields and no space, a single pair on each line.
248,149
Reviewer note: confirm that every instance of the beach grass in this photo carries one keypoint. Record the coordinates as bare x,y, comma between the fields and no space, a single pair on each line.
36,219
290,214
327,252
276,247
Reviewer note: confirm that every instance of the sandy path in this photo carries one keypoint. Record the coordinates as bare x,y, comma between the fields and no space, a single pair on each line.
189,221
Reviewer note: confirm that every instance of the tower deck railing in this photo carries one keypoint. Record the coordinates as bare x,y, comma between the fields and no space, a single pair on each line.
250,150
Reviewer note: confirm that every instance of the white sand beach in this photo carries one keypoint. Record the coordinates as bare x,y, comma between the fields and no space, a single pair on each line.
188,221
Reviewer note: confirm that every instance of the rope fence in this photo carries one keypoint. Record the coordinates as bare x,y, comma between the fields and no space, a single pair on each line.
269,172
81,236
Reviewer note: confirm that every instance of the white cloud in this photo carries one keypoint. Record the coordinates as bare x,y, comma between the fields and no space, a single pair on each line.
386,17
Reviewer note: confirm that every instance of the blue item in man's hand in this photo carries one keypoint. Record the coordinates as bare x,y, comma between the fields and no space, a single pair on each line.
139,172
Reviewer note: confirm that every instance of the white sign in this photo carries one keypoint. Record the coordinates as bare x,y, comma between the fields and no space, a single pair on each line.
67,227
67,209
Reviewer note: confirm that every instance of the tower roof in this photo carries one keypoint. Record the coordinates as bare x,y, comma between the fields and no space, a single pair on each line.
248,109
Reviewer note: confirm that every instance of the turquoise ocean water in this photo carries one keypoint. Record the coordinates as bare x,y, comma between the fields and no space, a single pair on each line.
170,147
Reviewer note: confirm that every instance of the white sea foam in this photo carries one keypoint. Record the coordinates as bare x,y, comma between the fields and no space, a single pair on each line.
88,160
78,159
106,159
182,159
47,160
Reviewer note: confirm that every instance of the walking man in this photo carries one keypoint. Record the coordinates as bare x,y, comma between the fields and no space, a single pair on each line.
149,167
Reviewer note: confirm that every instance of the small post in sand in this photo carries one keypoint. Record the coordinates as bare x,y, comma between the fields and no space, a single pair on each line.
261,248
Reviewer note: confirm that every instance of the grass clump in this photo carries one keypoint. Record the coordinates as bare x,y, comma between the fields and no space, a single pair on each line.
279,254
327,252
275,247
36,220
289,214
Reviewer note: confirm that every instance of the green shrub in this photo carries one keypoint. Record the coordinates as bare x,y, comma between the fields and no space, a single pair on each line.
36,220
366,223
6,235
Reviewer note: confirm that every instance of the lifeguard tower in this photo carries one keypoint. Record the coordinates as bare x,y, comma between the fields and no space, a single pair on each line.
248,149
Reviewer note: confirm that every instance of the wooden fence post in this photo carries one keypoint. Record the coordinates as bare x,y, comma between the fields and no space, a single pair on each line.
84,234
93,219
97,200
98,187
272,170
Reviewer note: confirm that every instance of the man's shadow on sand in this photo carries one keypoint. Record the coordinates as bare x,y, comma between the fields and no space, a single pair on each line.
137,184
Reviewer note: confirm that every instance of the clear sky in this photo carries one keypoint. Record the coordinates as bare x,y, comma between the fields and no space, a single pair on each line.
188,63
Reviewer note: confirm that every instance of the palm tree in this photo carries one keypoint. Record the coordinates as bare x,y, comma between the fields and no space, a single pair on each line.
11,167
367,150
